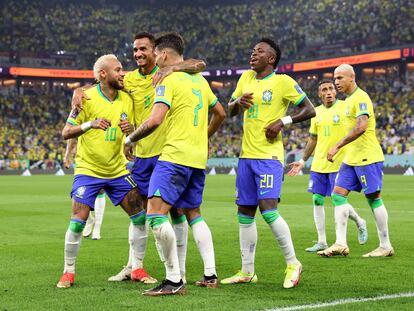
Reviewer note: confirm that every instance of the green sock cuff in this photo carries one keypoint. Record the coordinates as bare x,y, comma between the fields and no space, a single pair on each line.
318,199
195,220
178,220
138,219
76,225
245,220
374,203
338,199
156,220
101,195
270,216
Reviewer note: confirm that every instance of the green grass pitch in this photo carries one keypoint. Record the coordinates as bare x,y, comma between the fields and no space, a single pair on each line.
34,215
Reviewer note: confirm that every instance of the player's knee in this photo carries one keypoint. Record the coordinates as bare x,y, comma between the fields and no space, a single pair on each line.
374,203
138,219
76,225
318,199
338,199
270,216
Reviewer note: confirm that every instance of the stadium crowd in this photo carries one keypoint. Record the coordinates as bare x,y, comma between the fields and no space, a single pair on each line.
222,34
34,133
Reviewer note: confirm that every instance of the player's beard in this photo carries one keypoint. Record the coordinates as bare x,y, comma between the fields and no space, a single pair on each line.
114,83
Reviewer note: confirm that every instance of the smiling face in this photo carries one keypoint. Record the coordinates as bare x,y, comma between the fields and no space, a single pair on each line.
113,74
262,57
144,53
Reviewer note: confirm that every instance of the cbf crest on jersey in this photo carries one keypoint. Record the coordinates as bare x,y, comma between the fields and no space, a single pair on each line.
124,116
267,97
80,192
336,119
297,87
160,90
362,106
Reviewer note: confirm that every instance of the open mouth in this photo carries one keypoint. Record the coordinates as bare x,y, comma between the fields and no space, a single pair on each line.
253,61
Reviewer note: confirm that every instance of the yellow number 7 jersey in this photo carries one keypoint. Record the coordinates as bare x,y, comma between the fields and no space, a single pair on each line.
189,98
100,153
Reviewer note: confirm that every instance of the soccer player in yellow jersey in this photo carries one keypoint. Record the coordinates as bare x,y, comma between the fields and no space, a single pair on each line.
326,128
183,102
361,168
264,98
100,162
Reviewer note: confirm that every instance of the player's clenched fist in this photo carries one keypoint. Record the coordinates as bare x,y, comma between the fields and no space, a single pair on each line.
273,129
100,124
246,100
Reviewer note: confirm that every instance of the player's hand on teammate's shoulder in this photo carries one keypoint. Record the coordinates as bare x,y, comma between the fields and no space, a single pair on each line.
273,129
129,152
78,95
100,124
126,127
295,168
246,100
161,74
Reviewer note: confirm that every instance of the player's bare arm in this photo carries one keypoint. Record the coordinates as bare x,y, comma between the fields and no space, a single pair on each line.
357,131
79,95
157,116
217,118
73,131
304,112
69,152
245,101
188,66
298,165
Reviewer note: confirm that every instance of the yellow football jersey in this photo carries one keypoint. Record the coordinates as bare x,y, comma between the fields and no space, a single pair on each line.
140,88
329,126
189,98
100,153
271,96
366,148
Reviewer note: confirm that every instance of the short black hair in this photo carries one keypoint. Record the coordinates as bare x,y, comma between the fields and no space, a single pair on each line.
325,81
274,46
172,40
144,34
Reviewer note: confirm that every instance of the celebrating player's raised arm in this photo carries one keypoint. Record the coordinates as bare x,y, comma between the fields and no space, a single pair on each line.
188,66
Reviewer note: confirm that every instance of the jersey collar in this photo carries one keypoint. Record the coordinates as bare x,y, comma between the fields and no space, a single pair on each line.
104,96
151,73
357,88
267,77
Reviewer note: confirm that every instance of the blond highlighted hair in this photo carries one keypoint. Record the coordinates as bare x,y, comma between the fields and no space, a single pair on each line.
101,63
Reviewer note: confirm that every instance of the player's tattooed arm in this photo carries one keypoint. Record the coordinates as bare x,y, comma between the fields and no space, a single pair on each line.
188,66
304,112
150,125
78,95
359,129
219,114
245,101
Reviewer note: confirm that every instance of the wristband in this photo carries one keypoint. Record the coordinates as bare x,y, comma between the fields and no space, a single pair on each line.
128,141
86,126
301,161
286,120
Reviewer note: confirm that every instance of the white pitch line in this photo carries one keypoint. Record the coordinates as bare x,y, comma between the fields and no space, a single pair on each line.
343,302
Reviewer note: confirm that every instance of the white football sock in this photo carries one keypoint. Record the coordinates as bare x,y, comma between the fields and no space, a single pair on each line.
341,213
319,218
72,245
281,232
181,234
138,243
165,236
99,214
89,225
381,220
204,240
248,242
353,215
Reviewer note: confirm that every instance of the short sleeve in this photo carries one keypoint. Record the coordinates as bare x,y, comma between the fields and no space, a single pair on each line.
292,91
78,117
239,87
164,92
363,107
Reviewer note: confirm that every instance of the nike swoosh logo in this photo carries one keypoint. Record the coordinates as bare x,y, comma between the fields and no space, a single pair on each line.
174,291
264,192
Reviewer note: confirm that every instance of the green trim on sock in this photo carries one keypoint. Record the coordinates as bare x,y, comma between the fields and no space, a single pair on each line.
270,216
101,195
195,220
155,222
139,220
76,226
178,220
338,199
245,220
318,199
375,203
